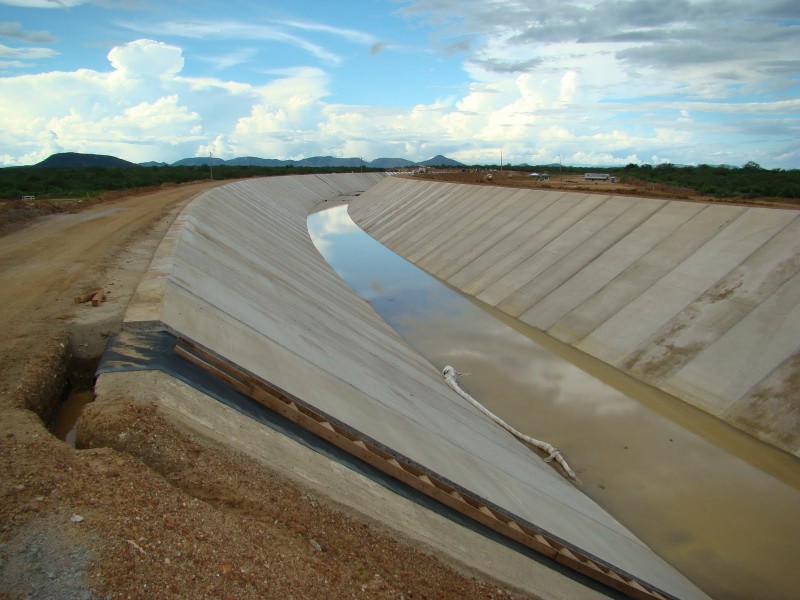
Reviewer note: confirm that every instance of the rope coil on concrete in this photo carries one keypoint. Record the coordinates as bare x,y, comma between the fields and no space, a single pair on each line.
553,452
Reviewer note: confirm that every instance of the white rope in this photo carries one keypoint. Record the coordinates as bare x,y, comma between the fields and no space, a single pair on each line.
553,452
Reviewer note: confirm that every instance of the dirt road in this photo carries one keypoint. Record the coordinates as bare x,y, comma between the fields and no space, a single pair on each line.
150,510
574,182
45,265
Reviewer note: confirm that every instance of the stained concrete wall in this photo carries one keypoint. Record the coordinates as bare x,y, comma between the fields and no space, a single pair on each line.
699,300
239,274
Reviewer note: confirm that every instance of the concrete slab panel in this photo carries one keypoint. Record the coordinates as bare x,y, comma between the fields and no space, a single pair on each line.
674,248
477,259
724,372
449,256
546,226
637,323
385,196
518,211
772,406
415,225
404,206
606,268
502,292
438,228
525,299
714,312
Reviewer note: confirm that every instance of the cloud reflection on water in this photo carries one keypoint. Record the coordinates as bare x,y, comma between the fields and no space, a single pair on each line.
448,329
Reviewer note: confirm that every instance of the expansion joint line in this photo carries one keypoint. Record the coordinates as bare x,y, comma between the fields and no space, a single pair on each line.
552,452
414,475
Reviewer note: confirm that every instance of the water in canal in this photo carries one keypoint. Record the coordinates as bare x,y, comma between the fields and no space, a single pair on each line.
731,525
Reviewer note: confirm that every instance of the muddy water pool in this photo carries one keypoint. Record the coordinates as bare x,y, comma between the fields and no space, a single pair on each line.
721,508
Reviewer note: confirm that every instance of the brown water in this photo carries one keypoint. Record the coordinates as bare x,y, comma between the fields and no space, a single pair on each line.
69,412
721,507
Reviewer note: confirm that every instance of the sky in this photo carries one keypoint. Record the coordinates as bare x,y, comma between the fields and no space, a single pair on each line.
581,82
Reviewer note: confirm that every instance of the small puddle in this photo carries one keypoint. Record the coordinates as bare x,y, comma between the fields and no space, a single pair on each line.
729,526
78,392
69,411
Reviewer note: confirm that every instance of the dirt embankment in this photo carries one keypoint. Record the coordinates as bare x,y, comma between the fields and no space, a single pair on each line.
16,214
576,183
145,509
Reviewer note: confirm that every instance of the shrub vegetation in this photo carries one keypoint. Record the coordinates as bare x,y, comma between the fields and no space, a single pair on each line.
749,181
45,183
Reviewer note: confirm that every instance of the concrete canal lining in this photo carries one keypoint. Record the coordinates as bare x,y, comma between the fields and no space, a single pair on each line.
239,274
699,300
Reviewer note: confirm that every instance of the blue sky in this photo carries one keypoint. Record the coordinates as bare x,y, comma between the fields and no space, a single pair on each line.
587,82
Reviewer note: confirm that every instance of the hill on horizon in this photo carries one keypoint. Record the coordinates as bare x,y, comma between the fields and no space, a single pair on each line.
197,161
391,163
442,161
80,160
76,160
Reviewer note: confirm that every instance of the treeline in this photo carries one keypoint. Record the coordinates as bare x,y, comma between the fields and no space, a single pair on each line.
749,181
16,182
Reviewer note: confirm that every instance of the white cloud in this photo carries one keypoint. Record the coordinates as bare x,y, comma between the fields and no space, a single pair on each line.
351,35
233,30
26,53
146,58
283,119
44,3
126,111
569,85
747,108
14,30
230,59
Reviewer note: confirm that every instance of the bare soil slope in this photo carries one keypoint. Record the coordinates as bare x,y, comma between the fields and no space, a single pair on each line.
576,183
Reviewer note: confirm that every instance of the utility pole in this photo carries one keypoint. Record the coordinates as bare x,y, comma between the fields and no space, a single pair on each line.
501,160
211,165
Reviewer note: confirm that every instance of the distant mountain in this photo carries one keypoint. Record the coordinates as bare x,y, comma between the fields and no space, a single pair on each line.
323,161
390,163
198,161
77,160
442,161
330,161
254,161
313,161
353,162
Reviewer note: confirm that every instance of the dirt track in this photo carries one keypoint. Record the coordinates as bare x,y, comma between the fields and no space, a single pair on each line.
148,510
576,183
46,264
